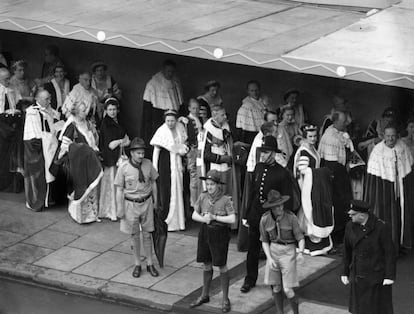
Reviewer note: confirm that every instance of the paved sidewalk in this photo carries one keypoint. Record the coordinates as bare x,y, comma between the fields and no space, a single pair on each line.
49,248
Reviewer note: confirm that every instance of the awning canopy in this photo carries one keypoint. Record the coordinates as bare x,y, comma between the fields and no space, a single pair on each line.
285,35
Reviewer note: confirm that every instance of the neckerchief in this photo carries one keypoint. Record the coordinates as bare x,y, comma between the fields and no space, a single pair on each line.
216,195
141,177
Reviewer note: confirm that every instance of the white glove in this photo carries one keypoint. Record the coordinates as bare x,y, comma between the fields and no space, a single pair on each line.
387,282
244,222
345,280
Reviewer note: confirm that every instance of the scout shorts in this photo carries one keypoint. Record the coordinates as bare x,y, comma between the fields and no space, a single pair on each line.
213,244
285,271
137,214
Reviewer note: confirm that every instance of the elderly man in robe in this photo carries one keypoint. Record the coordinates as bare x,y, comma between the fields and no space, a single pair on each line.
389,186
162,92
250,115
40,144
83,92
333,148
10,118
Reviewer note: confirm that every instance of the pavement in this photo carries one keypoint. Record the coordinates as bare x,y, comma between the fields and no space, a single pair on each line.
51,249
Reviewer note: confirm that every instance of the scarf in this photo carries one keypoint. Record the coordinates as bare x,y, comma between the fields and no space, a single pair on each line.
218,194
141,177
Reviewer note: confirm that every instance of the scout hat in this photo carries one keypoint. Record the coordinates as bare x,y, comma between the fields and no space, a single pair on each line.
358,206
269,144
274,198
213,175
136,143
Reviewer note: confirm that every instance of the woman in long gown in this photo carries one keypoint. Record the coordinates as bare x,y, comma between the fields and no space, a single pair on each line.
78,150
112,138
316,213
169,147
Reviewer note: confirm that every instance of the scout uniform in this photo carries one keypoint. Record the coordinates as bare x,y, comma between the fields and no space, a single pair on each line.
282,233
138,206
213,239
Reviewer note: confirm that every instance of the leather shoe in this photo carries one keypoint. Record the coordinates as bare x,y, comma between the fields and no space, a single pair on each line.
151,269
226,306
137,271
246,287
199,301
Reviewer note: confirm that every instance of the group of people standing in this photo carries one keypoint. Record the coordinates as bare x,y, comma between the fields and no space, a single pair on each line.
298,180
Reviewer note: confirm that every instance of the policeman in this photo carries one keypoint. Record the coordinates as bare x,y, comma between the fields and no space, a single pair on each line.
268,175
369,261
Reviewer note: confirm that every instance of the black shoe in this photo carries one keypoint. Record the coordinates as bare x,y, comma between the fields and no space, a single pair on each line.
151,269
226,306
246,287
137,271
199,301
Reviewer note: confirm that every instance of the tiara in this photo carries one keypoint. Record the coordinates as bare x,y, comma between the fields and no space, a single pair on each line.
310,127
170,112
110,99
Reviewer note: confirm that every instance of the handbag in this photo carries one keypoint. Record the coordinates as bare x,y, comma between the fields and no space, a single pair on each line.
122,157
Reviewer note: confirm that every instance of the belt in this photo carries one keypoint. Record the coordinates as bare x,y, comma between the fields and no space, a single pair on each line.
139,199
284,243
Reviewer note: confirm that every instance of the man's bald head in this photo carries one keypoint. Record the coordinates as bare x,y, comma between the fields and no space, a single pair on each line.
43,98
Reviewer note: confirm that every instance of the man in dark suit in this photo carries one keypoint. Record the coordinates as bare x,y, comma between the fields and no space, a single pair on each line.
268,175
369,262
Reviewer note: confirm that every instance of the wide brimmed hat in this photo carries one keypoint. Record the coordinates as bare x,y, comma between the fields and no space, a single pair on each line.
98,64
269,144
358,206
136,143
274,198
289,92
213,175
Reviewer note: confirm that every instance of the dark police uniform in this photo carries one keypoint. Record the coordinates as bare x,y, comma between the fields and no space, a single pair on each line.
369,259
265,178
